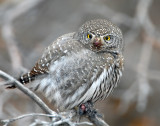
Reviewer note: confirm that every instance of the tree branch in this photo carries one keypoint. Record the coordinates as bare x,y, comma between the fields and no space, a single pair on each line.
97,121
28,92
8,34
66,118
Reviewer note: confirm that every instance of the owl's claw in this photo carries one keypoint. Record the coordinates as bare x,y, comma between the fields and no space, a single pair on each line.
88,110
11,87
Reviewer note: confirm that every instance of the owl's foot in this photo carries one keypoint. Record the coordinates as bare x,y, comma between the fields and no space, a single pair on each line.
87,109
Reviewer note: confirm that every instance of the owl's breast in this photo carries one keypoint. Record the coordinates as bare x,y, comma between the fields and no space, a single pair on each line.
73,66
79,73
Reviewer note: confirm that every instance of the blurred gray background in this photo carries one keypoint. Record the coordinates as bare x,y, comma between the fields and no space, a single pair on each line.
28,26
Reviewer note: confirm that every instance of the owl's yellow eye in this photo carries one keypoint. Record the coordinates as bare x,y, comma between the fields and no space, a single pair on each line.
89,36
107,38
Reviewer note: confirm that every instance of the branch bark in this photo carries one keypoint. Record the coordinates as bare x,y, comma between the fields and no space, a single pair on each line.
28,92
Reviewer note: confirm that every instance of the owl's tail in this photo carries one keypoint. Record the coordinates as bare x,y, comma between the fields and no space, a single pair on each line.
24,79
35,72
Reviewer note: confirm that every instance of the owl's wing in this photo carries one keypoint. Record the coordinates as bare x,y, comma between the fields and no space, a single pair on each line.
50,54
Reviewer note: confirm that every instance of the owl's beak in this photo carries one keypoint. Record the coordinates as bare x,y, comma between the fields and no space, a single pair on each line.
97,42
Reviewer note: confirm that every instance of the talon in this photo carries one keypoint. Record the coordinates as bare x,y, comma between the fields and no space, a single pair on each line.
87,109
11,87
82,109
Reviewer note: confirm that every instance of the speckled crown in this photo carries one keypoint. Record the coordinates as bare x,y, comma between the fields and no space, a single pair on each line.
101,27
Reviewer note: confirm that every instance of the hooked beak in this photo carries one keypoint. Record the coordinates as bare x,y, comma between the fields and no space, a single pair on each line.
97,42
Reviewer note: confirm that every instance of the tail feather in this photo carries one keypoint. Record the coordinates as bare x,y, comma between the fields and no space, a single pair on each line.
24,79
36,71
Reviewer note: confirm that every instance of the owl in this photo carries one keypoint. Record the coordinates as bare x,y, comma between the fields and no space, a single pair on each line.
81,66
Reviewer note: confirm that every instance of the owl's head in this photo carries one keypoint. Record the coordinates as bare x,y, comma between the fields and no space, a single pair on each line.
101,35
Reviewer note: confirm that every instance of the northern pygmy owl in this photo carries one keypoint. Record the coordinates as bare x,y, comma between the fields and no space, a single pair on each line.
81,66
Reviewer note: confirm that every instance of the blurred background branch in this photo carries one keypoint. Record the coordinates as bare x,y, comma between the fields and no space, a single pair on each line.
8,34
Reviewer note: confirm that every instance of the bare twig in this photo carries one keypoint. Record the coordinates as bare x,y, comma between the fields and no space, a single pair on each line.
143,65
97,121
25,90
7,121
57,119
142,69
7,31
141,89
53,116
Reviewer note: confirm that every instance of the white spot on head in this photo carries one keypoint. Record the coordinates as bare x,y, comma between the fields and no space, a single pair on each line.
60,47
65,51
